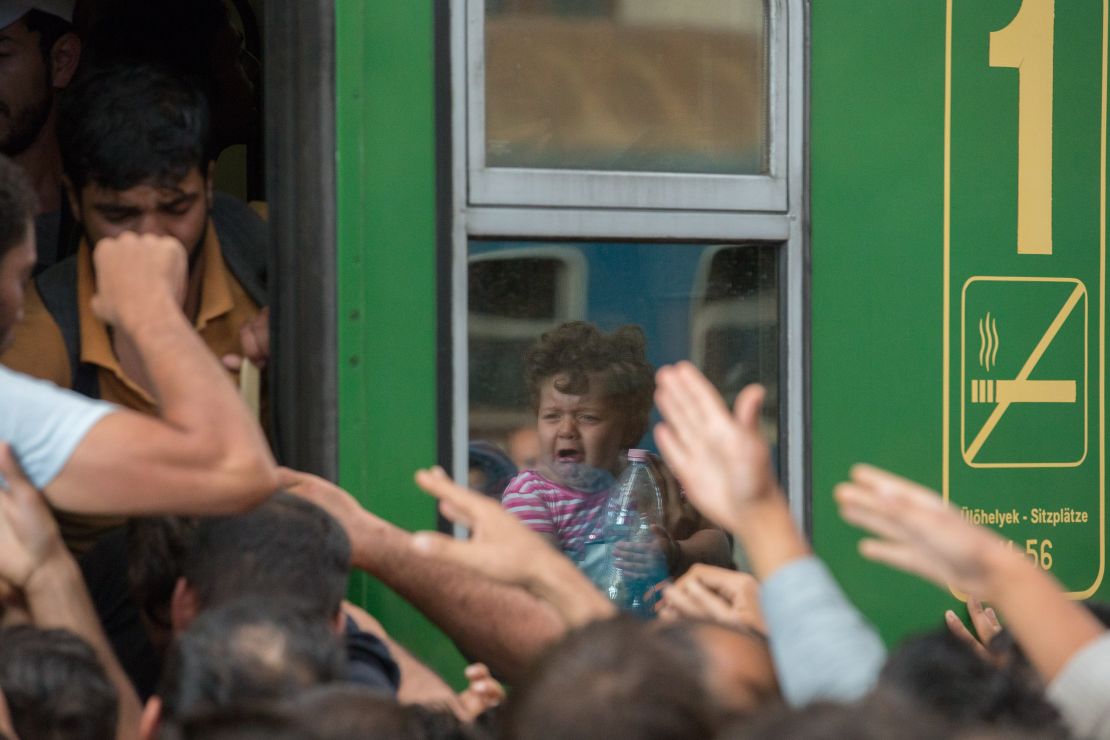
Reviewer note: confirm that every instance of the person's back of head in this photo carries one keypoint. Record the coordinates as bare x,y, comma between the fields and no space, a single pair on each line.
736,665
286,547
238,723
878,717
941,672
346,712
246,652
55,687
156,550
120,126
613,680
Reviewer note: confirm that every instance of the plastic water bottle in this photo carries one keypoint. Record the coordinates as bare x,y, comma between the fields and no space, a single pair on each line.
635,505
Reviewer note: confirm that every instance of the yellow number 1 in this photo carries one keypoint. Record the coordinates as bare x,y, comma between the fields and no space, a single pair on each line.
1026,43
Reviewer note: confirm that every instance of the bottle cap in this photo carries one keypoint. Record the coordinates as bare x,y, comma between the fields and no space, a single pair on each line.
638,455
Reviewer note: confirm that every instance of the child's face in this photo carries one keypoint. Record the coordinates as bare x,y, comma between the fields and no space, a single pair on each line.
577,431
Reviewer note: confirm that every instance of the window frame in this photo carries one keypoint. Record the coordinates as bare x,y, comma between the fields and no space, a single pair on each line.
521,186
505,203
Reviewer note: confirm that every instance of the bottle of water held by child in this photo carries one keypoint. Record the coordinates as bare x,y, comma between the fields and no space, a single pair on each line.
636,562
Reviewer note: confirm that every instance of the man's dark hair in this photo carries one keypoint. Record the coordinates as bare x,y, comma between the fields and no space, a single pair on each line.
55,687
17,205
577,349
941,672
50,28
612,680
248,651
287,548
156,551
121,126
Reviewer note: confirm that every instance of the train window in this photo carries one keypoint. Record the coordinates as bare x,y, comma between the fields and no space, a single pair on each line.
714,304
643,86
627,103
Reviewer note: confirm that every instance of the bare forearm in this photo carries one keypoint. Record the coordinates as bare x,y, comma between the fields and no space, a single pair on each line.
57,599
195,396
502,626
1049,627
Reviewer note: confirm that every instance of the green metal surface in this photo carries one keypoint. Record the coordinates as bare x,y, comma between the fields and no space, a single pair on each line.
387,282
878,281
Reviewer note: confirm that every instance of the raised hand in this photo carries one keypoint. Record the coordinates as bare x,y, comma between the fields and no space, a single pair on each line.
721,458
135,275
28,534
500,546
917,531
707,592
503,549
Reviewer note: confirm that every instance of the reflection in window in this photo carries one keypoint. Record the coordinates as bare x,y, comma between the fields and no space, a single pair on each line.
627,85
715,305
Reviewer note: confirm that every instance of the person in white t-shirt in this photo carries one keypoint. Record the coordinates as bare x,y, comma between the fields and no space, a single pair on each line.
204,453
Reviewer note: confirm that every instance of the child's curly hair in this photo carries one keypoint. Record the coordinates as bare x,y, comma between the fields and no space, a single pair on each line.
576,349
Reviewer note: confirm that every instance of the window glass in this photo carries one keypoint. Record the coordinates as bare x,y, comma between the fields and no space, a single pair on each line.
627,85
716,305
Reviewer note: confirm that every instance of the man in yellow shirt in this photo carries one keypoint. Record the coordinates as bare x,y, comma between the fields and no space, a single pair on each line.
134,145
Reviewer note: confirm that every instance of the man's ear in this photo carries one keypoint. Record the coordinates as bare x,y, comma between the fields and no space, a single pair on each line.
183,606
74,199
150,719
64,58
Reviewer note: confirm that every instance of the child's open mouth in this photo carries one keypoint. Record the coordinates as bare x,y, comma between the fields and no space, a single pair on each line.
568,455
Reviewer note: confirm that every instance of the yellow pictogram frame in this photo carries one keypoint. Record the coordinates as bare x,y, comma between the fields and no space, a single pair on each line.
947,309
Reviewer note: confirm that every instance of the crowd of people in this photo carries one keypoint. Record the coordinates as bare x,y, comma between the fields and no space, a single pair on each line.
161,576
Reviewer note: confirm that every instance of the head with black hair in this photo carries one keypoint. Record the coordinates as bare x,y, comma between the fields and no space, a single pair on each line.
133,141
17,244
941,672
613,680
156,550
592,393
285,548
55,687
246,651
41,54
238,723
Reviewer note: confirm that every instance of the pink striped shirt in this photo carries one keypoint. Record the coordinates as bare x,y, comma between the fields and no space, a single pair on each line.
572,516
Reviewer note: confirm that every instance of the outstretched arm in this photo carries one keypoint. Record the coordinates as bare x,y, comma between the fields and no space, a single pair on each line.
34,560
205,454
921,534
503,626
822,646
502,548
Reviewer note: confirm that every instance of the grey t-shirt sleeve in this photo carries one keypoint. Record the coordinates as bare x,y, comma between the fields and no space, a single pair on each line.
822,646
44,423
1081,691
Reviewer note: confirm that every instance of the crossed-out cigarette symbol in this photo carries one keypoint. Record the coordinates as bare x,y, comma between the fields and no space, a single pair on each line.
1021,389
